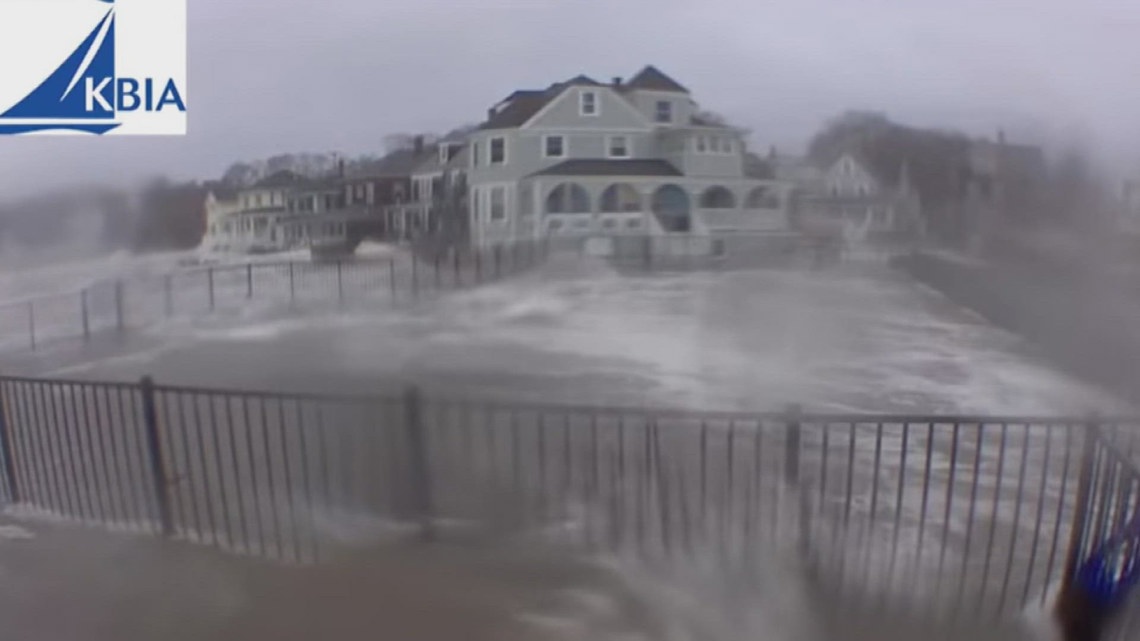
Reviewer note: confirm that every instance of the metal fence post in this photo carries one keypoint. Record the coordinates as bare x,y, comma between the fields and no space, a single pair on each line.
1090,437
6,451
455,261
292,284
83,312
392,276
792,447
792,481
120,319
418,462
415,276
340,282
154,453
249,281
210,280
168,294
32,323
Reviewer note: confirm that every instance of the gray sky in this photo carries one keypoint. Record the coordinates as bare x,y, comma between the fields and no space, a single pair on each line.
270,76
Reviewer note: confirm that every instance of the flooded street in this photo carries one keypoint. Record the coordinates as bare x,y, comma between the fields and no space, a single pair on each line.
856,340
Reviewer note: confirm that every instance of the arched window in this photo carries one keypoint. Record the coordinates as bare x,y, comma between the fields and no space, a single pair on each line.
672,206
763,198
717,197
619,198
568,198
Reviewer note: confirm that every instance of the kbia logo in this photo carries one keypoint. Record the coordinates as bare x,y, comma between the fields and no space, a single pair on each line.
126,76
126,96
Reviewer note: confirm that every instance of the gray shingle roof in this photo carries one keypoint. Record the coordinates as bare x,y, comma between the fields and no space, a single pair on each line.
653,79
522,105
609,167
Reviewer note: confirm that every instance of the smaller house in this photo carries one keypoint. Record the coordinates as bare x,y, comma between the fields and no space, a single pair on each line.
249,220
861,201
439,192
221,204
386,185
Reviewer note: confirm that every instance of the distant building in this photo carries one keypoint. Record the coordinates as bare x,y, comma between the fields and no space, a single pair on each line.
861,201
221,204
1003,189
582,157
249,223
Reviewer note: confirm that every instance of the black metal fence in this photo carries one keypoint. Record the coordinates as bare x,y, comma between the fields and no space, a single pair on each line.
138,301
964,516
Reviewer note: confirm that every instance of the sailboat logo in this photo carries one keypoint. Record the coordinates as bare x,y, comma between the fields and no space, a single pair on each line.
85,93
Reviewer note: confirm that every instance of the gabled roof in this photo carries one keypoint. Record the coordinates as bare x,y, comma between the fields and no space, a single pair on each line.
609,167
522,105
885,173
653,79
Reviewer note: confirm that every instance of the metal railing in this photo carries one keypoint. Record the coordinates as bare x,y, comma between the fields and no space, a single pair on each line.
954,516
134,302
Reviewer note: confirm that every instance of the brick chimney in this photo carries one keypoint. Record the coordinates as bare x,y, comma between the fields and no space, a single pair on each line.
617,81
340,168
418,144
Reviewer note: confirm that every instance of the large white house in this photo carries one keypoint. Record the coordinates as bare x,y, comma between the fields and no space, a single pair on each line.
582,158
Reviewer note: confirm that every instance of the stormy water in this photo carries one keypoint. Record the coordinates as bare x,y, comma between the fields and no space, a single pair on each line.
855,339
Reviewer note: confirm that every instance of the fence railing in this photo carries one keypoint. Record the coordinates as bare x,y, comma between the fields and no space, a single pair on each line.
138,301
963,516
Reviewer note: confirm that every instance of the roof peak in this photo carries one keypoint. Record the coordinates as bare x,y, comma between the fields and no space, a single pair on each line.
653,79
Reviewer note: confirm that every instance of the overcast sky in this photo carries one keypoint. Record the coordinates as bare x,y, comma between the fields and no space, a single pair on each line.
271,76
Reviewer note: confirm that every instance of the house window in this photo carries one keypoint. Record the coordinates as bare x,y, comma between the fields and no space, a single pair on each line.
554,225
498,203
619,147
588,103
498,150
726,146
554,147
701,145
664,112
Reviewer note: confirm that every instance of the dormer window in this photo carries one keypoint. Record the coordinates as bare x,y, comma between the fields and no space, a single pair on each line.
444,154
664,111
588,103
